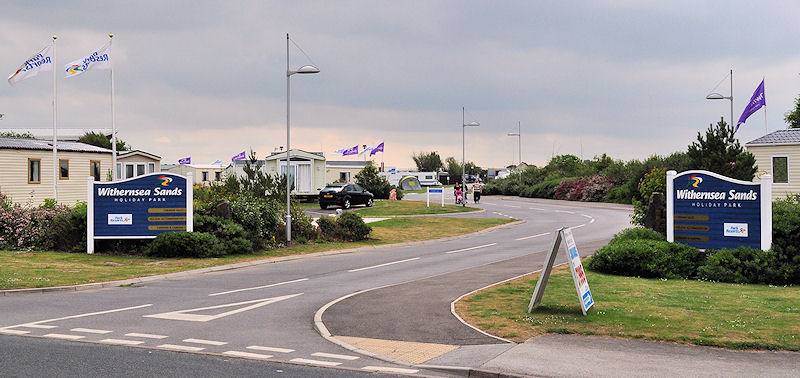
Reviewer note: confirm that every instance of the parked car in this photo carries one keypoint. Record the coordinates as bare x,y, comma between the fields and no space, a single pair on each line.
344,195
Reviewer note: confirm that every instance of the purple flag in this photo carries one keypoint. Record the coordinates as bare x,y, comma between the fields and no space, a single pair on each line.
239,156
186,160
756,102
350,151
378,148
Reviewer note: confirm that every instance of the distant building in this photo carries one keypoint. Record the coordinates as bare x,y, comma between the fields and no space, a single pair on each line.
343,170
202,174
136,163
307,169
778,153
26,169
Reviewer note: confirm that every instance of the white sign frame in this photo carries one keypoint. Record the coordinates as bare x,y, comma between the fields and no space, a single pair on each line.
575,265
439,190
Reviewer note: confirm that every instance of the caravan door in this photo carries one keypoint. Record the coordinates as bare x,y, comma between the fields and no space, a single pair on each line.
303,180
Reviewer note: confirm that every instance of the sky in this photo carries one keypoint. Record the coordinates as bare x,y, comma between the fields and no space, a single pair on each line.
208,79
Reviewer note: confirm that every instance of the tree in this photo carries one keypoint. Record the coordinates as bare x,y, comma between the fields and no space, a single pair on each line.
100,140
453,167
369,179
793,117
428,161
11,134
720,152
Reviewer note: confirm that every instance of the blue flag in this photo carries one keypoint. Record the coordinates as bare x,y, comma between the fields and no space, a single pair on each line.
350,151
756,102
239,156
378,148
186,160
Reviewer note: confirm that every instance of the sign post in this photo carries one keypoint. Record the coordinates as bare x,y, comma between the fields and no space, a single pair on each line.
710,211
575,266
139,208
434,190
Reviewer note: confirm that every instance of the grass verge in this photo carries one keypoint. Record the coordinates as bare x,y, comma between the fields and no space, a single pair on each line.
44,269
685,311
404,207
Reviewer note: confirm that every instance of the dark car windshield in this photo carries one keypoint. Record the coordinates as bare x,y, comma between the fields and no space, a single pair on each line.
334,188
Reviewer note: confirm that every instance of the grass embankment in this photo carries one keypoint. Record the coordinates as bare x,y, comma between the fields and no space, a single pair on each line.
694,312
45,269
382,208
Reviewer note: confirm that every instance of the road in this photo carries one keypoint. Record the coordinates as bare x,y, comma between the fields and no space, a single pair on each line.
266,312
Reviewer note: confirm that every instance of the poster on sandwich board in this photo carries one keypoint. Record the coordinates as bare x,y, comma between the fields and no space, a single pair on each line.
575,266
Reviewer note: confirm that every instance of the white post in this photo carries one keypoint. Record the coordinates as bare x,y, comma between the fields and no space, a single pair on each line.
56,167
428,199
766,212
90,215
442,193
113,116
670,206
189,202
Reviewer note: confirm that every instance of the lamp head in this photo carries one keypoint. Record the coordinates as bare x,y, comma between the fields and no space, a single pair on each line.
307,69
716,96
472,124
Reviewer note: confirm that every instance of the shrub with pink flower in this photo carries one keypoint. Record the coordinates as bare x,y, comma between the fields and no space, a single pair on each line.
28,228
593,189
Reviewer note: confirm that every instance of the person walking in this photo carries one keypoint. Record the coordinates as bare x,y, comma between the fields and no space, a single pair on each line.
476,190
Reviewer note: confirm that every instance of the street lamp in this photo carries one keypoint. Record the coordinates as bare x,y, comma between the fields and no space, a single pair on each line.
717,96
463,162
518,134
307,69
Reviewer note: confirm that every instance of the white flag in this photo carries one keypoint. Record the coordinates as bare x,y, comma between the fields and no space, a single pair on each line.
41,61
366,150
100,59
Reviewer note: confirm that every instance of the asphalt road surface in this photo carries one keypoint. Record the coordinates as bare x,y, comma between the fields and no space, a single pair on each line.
266,313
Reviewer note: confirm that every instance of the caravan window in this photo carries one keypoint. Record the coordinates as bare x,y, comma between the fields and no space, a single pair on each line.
128,170
63,169
139,169
94,169
151,167
34,171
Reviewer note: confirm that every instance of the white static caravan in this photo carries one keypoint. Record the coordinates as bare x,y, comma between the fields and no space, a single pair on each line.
136,163
26,169
778,153
425,178
343,170
307,169
203,174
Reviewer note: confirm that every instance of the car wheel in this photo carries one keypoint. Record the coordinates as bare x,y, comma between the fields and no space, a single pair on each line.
323,207
346,204
369,202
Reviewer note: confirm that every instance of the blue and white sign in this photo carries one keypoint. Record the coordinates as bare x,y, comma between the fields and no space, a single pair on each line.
434,190
138,208
578,275
710,211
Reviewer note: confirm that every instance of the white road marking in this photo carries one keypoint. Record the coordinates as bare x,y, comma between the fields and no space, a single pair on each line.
587,216
336,356
89,330
121,342
488,203
471,248
383,369
533,236
564,211
591,221
146,335
247,355
180,347
14,331
259,287
182,315
382,265
512,206
39,325
206,342
536,208
63,336
578,226
315,362
270,349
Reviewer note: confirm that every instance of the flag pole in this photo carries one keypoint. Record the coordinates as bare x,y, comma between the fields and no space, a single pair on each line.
113,115
766,130
55,120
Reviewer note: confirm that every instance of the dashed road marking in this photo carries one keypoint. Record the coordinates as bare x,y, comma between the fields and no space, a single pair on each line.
383,369
63,336
270,349
180,347
564,211
578,226
259,287
89,330
533,236
512,206
591,221
40,326
470,248
247,355
14,331
382,265
146,335
587,216
121,342
204,342
315,362
536,208
336,356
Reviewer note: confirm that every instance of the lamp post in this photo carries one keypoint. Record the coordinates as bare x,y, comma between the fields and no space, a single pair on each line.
307,69
717,96
518,134
463,162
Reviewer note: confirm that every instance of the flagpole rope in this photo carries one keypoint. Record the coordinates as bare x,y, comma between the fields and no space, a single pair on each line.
304,53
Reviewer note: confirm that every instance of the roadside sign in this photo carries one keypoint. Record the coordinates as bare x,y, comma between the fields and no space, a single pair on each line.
439,190
138,208
576,267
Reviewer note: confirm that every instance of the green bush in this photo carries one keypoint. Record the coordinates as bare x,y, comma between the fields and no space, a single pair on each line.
546,188
185,244
68,231
638,233
260,217
786,239
348,226
647,258
234,238
739,265
327,226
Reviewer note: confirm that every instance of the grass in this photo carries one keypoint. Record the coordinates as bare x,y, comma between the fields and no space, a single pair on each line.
685,311
44,269
403,207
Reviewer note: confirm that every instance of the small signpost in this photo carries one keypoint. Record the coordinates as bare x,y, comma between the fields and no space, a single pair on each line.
434,190
139,208
575,266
